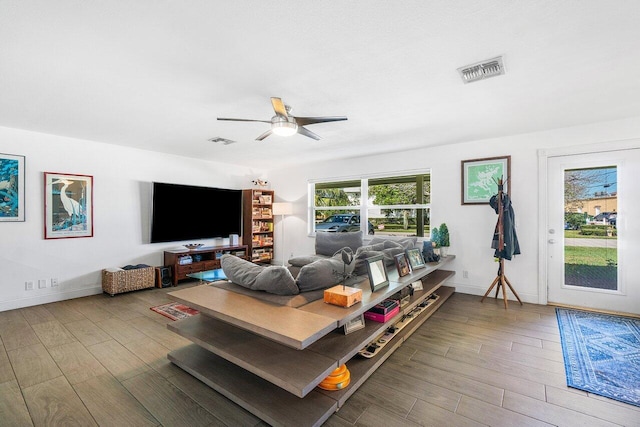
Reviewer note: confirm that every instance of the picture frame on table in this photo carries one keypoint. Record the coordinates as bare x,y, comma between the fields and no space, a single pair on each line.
402,264
354,324
68,205
415,258
377,272
480,178
12,184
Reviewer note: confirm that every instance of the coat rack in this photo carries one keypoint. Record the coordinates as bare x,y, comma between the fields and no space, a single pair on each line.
501,279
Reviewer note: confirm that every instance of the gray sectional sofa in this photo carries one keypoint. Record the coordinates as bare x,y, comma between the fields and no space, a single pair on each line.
306,277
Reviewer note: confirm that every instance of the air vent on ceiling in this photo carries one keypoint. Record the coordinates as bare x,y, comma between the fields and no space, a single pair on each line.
222,141
482,70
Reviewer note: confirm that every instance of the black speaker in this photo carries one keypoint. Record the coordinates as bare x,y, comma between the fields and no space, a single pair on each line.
163,277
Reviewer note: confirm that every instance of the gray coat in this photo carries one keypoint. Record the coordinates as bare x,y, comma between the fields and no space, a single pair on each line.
511,246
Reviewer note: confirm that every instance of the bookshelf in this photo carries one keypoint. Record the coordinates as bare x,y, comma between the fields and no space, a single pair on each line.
258,224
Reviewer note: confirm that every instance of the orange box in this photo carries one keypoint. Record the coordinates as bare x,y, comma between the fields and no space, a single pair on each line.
344,296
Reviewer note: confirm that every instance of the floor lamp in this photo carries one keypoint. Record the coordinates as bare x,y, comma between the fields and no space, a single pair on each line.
282,209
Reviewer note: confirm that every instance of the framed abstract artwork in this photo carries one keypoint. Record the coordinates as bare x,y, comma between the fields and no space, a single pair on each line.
480,178
11,188
68,205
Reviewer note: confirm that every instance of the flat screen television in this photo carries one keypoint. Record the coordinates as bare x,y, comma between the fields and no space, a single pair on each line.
182,212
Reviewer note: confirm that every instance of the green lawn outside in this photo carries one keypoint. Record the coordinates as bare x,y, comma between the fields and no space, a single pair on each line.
581,255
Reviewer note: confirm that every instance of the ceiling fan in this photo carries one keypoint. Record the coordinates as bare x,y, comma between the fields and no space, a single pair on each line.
284,124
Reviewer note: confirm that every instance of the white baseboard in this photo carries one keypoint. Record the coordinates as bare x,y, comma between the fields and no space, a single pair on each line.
45,299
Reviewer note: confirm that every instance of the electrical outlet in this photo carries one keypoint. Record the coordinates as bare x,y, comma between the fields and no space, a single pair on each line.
465,274
28,286
54,282
42,283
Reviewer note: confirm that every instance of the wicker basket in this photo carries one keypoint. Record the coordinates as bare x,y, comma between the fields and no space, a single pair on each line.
116,282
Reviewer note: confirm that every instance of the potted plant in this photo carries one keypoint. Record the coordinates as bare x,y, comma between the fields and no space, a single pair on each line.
435,239
443,239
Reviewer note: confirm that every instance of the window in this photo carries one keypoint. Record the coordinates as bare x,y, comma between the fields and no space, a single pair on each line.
392,205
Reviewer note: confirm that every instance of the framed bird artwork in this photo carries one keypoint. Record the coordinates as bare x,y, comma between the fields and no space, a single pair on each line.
68,205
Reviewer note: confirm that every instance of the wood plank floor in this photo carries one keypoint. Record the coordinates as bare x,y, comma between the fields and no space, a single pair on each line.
101,360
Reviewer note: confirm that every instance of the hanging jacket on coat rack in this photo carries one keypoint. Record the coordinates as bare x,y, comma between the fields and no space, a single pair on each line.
510,239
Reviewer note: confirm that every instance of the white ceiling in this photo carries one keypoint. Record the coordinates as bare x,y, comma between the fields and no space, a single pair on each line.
155,74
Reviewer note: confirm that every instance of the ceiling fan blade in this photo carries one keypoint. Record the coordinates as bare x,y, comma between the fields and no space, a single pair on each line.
244,120
303,121
307,132
264,135
278,107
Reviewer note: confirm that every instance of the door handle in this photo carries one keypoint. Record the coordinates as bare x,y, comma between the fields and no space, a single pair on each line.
552,241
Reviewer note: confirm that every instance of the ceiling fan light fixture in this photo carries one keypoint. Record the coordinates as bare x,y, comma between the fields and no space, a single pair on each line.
284,124
284,128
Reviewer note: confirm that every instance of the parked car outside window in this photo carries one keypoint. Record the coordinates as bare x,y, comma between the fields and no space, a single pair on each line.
342,223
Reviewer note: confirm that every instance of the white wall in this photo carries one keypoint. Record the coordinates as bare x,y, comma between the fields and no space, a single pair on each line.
122,183
471,227
122,178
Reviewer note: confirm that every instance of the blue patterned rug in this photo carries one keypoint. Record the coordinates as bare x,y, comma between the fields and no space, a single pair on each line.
601,353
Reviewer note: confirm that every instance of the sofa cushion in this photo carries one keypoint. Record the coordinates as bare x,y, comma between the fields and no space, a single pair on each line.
276,280
272,279
391,249
297,300
360,263
387,248
390,255
240,271
328,243
371,247
405,242
301,261
392,244
320,274
324,272
408,242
